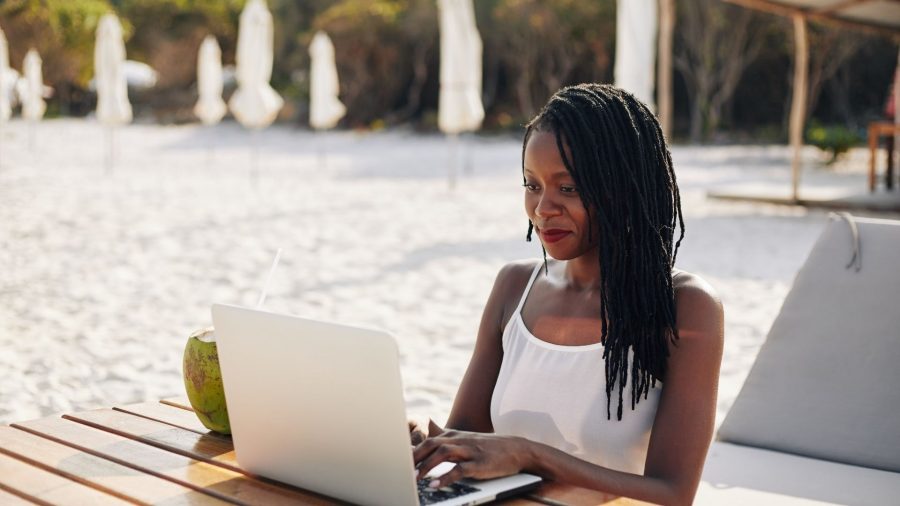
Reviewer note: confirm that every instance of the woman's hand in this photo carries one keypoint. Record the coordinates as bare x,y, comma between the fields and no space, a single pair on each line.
477,455
421,428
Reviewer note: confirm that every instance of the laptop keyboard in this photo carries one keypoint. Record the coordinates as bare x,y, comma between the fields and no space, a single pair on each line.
432,495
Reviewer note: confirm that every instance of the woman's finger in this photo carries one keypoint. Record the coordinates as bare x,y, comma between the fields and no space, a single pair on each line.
443,453
416,434
425,448
459,471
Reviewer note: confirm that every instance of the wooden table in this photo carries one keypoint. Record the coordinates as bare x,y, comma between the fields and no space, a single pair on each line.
878,129
159,453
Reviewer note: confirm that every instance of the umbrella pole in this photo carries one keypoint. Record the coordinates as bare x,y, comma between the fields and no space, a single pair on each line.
108,155
210,148
454,153
254,157
468,164
320,150
31,125
2,124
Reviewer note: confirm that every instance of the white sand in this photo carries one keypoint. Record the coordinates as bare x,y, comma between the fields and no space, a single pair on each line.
105,276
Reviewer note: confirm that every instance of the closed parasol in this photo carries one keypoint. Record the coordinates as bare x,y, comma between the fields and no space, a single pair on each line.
33,105
636,24
324,107
459,104
5,108
255,104
210,107
113,107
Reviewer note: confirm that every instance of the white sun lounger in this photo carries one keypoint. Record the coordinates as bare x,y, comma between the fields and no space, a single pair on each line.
818,419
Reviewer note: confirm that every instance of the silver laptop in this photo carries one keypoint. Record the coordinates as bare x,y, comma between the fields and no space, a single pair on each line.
320,406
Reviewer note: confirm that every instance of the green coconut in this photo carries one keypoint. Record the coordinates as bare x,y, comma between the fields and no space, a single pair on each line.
203,381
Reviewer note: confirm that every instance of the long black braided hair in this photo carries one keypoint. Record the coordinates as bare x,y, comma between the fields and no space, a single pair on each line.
623,171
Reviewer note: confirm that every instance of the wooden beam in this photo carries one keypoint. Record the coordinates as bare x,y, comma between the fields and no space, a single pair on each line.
798,100
828,18
664,72
839,6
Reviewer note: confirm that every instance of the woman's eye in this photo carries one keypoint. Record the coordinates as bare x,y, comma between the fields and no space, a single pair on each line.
530,187
568,189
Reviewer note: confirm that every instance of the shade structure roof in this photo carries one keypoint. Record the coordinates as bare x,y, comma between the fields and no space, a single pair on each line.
879,15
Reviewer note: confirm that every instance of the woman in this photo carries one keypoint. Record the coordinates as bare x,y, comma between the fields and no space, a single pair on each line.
597,367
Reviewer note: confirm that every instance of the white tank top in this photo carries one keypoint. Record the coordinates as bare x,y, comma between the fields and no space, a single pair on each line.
556,395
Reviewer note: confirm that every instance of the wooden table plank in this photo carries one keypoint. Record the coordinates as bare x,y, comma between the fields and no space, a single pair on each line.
169,414
45,487
97,472
553,493
211,448
202,476
10,499
172,412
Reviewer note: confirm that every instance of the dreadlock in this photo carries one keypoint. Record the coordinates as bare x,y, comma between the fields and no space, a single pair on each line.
623,170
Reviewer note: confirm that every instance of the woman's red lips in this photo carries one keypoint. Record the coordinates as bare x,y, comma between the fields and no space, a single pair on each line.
552,235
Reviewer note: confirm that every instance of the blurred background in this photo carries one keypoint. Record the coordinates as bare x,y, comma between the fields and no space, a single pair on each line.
107,271
732,66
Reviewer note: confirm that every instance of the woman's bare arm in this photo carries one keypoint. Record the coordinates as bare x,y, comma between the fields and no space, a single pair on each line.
682,429
472,405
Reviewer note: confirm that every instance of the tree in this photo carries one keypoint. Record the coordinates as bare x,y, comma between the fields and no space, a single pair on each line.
829,49
714,44
381,50
575,38
62,31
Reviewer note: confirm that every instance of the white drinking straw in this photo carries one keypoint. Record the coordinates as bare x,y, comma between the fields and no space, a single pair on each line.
262,296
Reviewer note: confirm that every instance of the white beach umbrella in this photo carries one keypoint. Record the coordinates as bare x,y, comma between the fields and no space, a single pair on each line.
636,25
255,104
10,80
139,75
5,88
113,107
459,104
33,105
324,107
210,107
32,93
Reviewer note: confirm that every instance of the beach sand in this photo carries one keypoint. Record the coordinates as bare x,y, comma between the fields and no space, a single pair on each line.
106,273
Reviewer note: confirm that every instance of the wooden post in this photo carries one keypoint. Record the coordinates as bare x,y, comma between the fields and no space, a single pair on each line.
873,150
664,70
896,136
798,100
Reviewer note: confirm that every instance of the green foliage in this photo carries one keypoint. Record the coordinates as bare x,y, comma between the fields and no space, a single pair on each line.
168,33
833,139
388,57
383,48
575,45
61,30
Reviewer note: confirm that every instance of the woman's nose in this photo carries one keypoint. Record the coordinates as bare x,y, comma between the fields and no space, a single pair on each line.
547,206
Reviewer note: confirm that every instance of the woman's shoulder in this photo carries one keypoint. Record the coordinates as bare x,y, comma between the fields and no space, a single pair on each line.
699,308
510,285
517,271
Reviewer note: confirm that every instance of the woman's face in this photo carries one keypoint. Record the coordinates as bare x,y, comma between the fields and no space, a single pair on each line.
552,202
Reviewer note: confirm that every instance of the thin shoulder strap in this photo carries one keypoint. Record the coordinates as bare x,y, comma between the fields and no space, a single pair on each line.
537,269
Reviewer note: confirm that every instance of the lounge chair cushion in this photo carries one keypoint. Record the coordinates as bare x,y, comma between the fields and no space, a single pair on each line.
826,383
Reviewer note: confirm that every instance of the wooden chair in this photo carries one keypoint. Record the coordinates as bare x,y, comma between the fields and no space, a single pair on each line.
878,129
